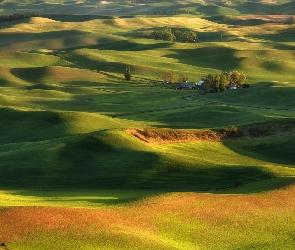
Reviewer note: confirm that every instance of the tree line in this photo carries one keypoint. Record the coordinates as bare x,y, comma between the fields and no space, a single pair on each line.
17,16
170,77
171,12
132,1
171,35
221,81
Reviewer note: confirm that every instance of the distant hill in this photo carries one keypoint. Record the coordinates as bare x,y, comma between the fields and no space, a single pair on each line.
149,7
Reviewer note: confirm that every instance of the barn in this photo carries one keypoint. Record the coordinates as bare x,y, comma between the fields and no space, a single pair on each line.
188,85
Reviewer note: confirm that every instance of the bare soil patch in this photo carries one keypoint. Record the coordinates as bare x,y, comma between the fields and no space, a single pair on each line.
268,18
160,136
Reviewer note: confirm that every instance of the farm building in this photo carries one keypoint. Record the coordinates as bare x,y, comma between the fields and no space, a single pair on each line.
232,86
200,83
188,85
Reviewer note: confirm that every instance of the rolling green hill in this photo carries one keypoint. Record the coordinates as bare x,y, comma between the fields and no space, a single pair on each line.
72,174
62,84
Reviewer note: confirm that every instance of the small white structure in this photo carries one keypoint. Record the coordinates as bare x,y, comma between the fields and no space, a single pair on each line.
232,86
200,83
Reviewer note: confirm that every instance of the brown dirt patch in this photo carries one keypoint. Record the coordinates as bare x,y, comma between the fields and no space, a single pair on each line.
160,136
268,18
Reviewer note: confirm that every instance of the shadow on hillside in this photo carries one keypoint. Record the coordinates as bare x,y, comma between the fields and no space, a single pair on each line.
33,75
216,9
256,8
285,47
279,37
260,186
29,126
125,45
257,104
101,160
8,38
233,21
247,7
279,150
207,57
12,23
76,18
125,196
127,179
217,36
92,164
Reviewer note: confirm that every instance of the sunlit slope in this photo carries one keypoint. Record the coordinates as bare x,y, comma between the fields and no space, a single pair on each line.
25,59
72,89
25,87
148,58
40,33
47,33
151,58
168,221
262,51
55,39
59,75
144,63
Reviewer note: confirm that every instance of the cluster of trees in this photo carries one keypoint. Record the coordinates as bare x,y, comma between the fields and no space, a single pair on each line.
170,77
179,12
171,35
222,80
171,12
140,1
14,17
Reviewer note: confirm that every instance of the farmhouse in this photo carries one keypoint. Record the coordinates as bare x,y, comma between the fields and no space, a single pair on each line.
188,85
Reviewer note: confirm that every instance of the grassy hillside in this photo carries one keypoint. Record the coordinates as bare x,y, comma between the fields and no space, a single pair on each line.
60,99
72,177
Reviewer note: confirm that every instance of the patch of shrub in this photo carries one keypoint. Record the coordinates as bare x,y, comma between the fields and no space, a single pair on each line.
17,16
170,35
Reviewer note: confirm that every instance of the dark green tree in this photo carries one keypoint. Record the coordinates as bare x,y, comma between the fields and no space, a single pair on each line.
237,77
220,81
127,73
209,82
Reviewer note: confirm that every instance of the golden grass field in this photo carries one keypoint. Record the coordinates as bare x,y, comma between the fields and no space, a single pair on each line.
169,221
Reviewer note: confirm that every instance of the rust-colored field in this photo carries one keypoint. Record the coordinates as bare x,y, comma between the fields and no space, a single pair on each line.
185,217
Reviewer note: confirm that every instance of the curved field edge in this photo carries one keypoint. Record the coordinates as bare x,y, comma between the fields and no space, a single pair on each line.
159,136
169,221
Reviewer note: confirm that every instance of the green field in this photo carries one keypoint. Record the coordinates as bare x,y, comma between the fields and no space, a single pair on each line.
72,177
